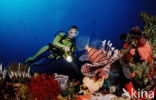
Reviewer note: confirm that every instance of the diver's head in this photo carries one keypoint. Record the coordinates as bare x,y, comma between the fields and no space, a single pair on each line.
73,32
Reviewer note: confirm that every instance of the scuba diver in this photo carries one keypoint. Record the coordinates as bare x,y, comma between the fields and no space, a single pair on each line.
63,46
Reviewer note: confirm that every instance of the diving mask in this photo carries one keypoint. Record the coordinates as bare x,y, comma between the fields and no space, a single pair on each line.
73,33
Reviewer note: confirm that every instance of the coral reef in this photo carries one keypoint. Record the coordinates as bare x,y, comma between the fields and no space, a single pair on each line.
109,73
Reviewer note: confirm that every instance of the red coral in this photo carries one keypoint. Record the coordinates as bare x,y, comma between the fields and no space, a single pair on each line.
132,75
125,45
130,89
148,76
44,87
152,71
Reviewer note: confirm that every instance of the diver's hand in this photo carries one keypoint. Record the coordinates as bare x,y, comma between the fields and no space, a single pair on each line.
66,48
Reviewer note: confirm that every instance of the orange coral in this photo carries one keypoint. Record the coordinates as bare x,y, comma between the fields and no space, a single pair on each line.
84,97
145,52
132,51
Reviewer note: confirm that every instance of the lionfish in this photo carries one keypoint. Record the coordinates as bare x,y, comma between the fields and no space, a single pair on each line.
100,60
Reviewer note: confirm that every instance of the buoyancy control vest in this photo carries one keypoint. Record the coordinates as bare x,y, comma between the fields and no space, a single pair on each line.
57,47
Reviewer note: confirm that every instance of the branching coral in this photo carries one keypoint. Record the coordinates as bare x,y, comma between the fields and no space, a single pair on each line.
2,72
2,81
19,73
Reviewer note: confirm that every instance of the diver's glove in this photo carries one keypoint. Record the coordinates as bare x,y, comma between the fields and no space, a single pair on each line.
66,48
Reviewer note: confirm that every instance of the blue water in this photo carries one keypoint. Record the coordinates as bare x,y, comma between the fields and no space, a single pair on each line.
28,25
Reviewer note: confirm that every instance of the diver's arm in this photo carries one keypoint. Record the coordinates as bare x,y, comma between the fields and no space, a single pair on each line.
57,39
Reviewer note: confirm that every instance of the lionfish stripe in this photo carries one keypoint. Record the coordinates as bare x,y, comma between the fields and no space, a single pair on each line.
97,56
90,50
92,53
